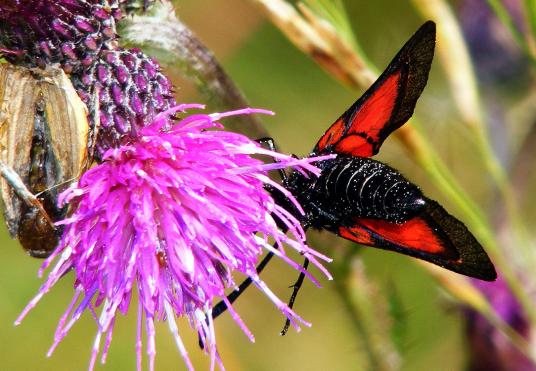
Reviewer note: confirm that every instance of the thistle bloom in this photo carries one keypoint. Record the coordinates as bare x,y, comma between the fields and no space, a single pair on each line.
173,214
489,348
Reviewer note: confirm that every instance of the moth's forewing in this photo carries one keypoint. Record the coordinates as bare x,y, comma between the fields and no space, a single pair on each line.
43,138
387,104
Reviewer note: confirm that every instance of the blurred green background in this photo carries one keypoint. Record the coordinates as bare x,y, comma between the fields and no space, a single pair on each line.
274,75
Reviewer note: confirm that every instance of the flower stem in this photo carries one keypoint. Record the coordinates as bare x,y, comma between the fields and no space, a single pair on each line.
163,31
367,311
465,292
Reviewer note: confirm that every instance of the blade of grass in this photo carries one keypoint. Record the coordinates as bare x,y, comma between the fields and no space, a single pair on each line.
530,14
366,309
335,13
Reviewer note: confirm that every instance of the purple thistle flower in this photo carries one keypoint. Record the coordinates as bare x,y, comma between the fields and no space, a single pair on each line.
69,32
489,348
173,214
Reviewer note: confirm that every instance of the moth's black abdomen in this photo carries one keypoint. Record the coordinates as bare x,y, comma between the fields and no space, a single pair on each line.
357,187
367,188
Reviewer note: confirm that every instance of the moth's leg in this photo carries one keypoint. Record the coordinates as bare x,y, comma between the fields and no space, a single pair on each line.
222,306
272,147
296,287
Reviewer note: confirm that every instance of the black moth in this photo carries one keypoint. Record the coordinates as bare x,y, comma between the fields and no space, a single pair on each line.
368,202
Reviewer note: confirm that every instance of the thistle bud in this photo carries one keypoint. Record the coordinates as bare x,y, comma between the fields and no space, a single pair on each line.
37,33
131,91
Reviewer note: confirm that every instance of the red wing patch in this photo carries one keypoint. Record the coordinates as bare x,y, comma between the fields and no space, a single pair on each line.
357,234
367,123
333,134
434,235
387,104
414,235
356,145
357,132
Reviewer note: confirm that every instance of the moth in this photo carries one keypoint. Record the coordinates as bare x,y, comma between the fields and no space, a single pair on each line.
368,202
43,145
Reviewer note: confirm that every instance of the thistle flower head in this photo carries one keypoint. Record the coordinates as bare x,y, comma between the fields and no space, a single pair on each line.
490,349
173,214
131,91
69,32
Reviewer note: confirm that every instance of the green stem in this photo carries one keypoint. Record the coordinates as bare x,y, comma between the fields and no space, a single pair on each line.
530,12
507,193
361,303
339,283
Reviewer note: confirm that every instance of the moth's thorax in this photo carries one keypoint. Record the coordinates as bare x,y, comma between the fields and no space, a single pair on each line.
355,187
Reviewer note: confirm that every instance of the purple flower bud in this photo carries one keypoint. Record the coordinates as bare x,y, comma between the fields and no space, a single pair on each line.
68,50
105,120
122,74
62,28
103,75
117,94
125,88
129,59
490,349
87,61
150,69
90,43
101,14
120,123
87,26
83,24
136,103
141,82
111,58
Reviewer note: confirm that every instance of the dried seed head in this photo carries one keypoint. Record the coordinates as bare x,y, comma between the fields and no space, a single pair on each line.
43,138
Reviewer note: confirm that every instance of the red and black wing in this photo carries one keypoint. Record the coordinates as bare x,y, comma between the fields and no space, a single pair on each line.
433,235
387,104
